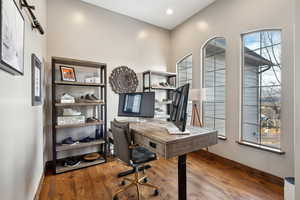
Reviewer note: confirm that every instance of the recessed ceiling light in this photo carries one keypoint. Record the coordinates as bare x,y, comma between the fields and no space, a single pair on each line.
169,11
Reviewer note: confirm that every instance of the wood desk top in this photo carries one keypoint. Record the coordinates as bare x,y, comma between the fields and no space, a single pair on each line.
155,130
167,145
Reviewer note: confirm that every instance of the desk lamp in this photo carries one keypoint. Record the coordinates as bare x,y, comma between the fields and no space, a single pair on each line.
196,95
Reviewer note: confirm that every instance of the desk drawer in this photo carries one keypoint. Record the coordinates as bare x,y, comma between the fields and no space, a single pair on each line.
153,146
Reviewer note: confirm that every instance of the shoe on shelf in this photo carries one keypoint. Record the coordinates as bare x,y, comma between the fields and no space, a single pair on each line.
66,98
91,98
155,85
71,112
92,120
159,110
87,139
96,98
71,162
80,99
162,84
69,141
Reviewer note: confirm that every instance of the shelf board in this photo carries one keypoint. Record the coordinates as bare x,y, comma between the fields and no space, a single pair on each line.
162,116
83,164
77,104
159,73
164,102
160,88
78,125
79,84
78,146
69,61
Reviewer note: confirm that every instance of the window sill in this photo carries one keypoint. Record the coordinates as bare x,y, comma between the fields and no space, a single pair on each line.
261,147
220,137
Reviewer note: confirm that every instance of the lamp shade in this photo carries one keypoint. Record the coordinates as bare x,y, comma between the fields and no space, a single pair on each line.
203,94
197,94
194,95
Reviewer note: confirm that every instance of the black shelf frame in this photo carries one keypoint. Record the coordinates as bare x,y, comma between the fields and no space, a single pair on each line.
169,77
100,107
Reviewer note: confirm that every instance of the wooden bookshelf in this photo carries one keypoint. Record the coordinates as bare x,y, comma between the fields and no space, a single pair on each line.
98,110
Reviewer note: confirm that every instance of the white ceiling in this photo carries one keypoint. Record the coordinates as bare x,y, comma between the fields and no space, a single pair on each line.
154,11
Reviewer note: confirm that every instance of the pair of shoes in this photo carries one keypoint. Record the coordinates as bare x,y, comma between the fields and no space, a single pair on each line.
164,84
155,85
69,141
66,98
159,110
92,120
71,112
87,139
71,162
89,98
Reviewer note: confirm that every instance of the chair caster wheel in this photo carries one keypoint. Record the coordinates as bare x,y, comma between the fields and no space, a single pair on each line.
123,183
115,198
145,180
156,192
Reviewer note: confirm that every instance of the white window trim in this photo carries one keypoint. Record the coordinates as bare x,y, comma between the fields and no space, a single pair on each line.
180,60
241,78
221,137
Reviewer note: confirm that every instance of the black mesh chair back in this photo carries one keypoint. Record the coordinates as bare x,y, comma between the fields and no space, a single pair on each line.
121,143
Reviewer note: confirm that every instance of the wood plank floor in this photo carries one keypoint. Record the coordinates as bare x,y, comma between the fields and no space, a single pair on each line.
207,180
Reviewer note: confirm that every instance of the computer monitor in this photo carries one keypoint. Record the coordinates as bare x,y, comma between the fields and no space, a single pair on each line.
179,107
140,104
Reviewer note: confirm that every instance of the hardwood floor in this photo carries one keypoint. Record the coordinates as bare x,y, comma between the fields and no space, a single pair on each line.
208,179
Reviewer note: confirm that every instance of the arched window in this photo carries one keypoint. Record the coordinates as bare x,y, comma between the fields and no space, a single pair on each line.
261,88
214,82
184,76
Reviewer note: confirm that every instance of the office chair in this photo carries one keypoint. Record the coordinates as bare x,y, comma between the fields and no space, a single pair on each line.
133,156
125,126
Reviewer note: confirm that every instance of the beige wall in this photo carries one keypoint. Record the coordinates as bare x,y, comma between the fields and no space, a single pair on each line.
82,31
21,125
79,30
297,100
229,19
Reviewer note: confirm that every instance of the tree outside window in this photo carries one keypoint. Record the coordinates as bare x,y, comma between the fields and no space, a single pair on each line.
261,88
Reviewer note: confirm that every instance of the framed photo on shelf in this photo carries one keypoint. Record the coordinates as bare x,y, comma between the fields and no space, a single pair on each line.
68,74
36,80
12,38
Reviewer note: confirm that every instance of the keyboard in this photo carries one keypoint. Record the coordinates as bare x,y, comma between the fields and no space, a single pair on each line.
174,130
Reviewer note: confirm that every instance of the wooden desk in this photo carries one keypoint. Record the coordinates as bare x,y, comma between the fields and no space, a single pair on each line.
153,136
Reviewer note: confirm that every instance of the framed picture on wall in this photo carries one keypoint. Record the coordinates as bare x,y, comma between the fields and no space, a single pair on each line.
36,80
12,38
68,74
